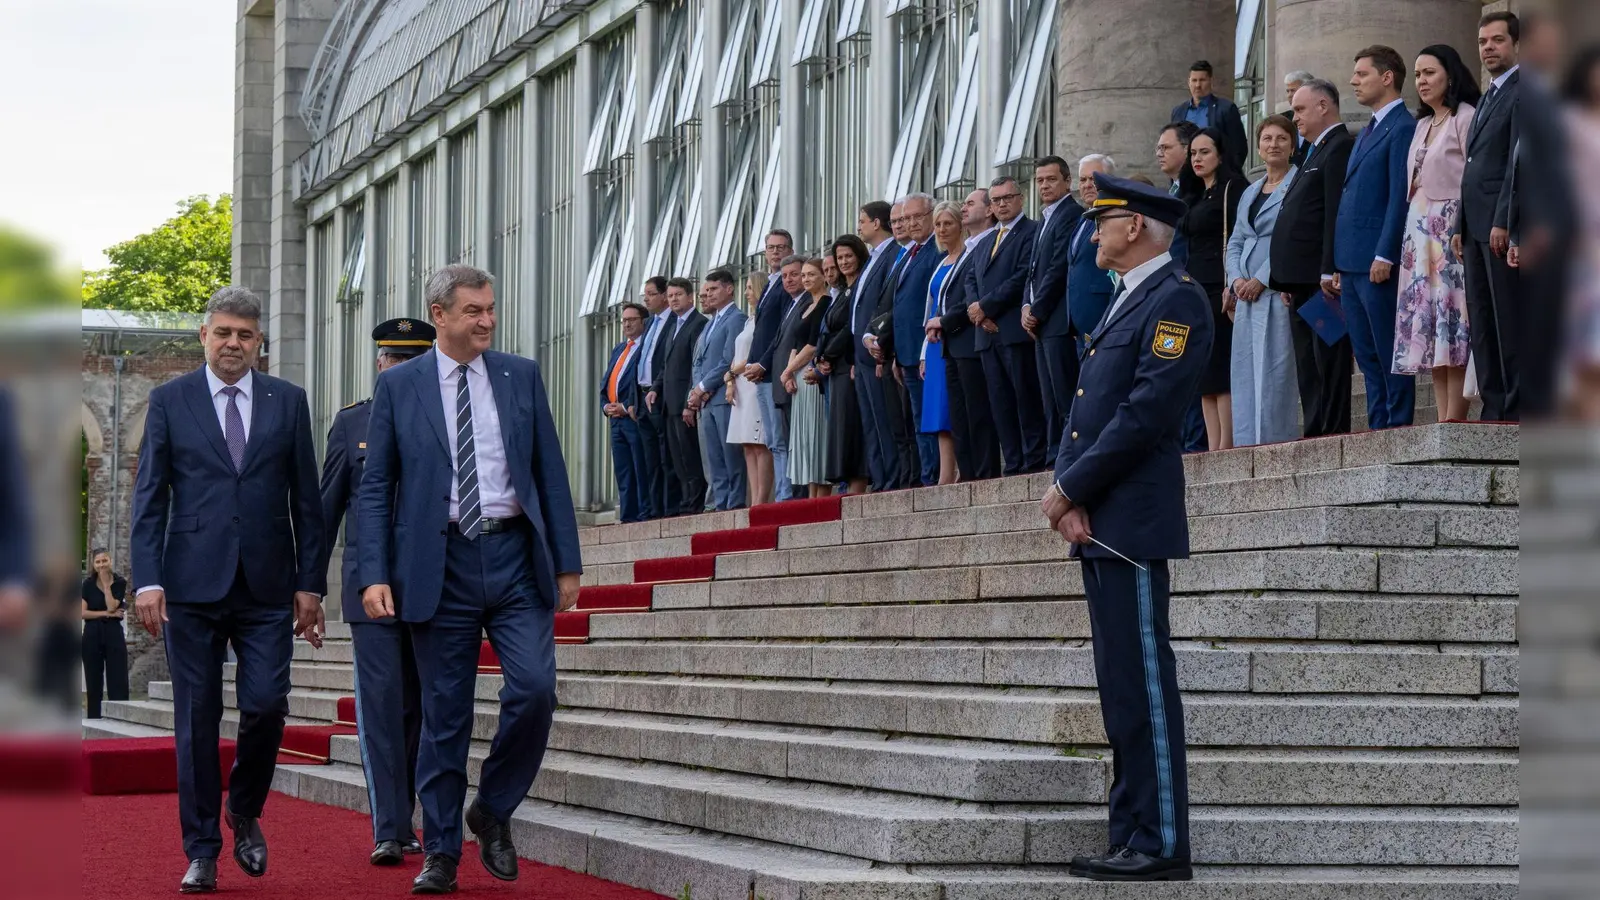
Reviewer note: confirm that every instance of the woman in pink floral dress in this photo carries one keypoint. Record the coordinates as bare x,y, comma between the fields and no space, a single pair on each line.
1431,313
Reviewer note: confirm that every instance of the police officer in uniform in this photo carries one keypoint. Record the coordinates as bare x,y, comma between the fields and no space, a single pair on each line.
1118,498
388,694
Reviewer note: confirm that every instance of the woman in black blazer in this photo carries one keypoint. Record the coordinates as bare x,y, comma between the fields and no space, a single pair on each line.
1213,196
105,649
847,458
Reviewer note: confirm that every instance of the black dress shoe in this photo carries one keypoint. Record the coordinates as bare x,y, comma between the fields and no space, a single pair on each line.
387,853
494,843
1080,864
249,844
411,846
438,876
1128,864
201,877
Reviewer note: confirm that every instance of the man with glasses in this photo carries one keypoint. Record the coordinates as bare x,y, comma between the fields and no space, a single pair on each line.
619,403
995,285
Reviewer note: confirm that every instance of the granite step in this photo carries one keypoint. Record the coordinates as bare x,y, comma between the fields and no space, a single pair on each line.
1465,484
679,861
103,728
1281,615
156,713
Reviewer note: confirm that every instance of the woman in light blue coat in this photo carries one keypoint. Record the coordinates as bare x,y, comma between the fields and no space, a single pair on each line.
1266,395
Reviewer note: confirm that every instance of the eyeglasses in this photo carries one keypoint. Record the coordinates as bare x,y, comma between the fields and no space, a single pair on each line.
1100,220
1001,198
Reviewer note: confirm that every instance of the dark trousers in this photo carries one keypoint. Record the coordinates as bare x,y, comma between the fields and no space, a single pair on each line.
971,419
1491,308
1058,383
652,440
683,446
902,425
1137,677
1369,314
197,637
628,461
926,446
493,584
105,663
877,435
1194,426
1323,372
671,495
1012,372
389,722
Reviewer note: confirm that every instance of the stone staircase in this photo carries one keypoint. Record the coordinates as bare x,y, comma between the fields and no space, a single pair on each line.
900,704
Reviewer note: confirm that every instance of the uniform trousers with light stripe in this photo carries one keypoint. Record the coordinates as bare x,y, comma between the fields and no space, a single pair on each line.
1136,671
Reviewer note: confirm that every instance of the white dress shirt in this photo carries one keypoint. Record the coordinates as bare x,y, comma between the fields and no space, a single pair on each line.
1499,81
877,253
497,499
652,338
1134,278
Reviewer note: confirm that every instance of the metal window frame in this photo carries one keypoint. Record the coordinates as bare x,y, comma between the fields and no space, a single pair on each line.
808,37
688,111
688,258
657,124
896,7
595,150
622,275
735,49
852,21
764,67
352,270
622,142
656,255
914,126
1247,17
733,202
594,282
1027,75
767,198
957,147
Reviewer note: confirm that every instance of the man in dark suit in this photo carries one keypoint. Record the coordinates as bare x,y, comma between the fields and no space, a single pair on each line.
1205,109
1089,287
1172,155
1483,234
896,401
1118,498
789,271
468,527
1293,82
770,312
388,693
677,377
877,435
619,403
995,284
1366,235
971,419
1045,315
226,542
660,488
16,537
920,465
1302,257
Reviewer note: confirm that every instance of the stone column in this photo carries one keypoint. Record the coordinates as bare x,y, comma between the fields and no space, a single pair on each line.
1122,65
252,151
1323,36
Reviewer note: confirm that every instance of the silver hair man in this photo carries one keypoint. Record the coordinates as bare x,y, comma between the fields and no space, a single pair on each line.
442,284
234,301
1106,163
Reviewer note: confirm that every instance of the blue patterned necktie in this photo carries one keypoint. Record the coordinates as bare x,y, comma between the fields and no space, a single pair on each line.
233,429
469,512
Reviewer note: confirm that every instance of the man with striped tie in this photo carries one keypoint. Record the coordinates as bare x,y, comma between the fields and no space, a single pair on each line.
468,527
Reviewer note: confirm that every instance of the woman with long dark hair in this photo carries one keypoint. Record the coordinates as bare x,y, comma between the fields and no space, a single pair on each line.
1430,321
808,418
847,459
1213,195
105,648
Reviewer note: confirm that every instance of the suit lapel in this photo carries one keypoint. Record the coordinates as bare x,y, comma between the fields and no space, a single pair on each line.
504,388
263,418
1364,148
425,380
198,395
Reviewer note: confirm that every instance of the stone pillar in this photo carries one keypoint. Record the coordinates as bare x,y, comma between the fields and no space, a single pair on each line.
252,151
1122,65
1323,36
298,27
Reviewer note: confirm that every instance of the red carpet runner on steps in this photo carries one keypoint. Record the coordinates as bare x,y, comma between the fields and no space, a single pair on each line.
316,852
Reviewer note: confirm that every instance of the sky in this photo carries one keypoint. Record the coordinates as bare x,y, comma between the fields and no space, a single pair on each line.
114,111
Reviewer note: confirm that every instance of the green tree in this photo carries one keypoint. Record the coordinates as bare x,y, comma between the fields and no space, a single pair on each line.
28,273
174,268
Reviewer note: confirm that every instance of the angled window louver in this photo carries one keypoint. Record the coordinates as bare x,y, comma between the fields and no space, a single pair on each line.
600,130
622,144
914,121
688,111
595,282
655,259
1027,74
767,199
852,21
955,153
808,40
735,50
658,119
764,68
622,275
722,243
688,261
355,258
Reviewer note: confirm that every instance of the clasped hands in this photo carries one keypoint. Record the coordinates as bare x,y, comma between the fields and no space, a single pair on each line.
1066,518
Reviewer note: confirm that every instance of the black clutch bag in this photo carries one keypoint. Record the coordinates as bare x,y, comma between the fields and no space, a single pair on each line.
882,328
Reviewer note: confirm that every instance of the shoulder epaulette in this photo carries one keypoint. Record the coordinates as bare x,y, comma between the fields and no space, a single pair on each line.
355,404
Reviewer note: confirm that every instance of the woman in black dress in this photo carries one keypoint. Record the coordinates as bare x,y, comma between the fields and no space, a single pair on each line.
1213,192
105,650
847,458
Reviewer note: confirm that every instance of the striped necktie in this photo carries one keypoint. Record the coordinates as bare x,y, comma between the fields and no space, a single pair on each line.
469,511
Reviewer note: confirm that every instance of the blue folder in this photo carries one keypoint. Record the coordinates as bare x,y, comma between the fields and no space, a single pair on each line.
1325,318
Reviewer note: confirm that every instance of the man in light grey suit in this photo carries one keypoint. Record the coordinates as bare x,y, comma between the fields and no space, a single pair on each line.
713,357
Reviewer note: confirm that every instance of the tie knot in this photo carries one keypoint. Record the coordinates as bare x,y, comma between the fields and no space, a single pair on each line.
232,390
461,370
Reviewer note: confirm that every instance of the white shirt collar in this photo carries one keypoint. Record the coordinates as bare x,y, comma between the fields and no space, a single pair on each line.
664,314
1139,273
973,241
245,384
878,250
1318,141
1387,108
1014,220
772,278
1052,207
448,366
1499,81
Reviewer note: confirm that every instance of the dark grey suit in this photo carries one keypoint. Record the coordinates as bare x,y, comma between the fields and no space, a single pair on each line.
1486,201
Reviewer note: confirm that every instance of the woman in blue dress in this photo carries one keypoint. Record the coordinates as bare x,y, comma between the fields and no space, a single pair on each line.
935,399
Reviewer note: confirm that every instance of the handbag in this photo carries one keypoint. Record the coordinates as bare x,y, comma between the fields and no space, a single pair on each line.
882,328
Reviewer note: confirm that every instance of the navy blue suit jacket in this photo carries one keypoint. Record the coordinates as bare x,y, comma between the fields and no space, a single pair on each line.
342,465
868,296
1121,455
769,312
1089,287
628,381
1048,278
1372,212
1225,116
995,279
196,521
16,533
404,505
911,303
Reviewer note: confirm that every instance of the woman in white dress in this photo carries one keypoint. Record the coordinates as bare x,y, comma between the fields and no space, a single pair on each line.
744,425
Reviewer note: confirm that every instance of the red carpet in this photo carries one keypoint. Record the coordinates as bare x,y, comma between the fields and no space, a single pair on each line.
797,512
347,712
315,852
488,661
735,540
310,744
30,764
675,568
138,765
614,596
572,627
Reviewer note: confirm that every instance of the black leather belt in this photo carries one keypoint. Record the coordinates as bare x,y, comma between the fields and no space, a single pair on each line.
488,525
